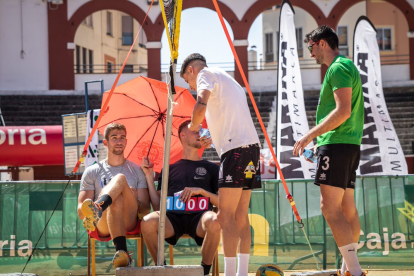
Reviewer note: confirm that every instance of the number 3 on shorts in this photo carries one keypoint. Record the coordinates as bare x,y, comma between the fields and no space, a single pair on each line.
326,161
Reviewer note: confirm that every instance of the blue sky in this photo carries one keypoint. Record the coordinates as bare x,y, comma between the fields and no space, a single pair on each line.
201,32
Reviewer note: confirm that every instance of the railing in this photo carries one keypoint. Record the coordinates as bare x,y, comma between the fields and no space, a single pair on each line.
384,204
140,68
228,66
109,69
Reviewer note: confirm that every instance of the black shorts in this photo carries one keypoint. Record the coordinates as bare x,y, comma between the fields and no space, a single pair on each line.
185,224
240,168
337,165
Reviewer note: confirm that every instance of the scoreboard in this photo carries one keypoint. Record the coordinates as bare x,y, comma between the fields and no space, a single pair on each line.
193,205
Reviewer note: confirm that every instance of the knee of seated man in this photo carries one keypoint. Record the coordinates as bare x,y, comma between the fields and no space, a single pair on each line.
120,179
149,223
212,223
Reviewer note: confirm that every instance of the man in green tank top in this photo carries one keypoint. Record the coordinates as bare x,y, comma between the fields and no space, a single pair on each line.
339,129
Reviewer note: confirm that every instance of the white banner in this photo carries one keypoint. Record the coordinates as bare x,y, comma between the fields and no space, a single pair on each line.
92,156
381,152
292,122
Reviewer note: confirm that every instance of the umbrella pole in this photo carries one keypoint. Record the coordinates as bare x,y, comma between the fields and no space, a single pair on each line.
166,167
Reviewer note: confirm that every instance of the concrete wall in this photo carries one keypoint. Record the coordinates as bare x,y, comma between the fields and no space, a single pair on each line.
108,79
30,71
395,73
266,80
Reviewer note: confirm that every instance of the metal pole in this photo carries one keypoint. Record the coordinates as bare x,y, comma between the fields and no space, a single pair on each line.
102,88
86,97
1,116
165,170
87,93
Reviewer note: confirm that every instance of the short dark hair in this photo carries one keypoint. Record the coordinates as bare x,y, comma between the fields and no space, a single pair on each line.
111,127
182,126
189,59
326,33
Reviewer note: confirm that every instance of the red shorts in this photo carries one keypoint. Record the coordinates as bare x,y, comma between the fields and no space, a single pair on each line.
95,235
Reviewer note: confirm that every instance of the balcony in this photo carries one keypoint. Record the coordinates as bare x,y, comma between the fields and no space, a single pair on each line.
262,75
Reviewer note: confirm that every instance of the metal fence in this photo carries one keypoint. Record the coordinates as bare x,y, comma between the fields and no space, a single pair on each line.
385,205
228,66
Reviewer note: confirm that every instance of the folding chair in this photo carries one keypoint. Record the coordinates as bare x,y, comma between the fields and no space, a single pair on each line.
91,251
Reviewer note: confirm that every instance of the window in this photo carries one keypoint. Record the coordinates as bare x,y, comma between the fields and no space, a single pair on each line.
109,23
127,30
269,47
342,32
384,36
90,56
109,67
84,60
88,21
78,59
129,68
299,41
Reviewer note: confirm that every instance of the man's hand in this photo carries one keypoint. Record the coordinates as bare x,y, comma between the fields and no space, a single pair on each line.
206,142
301,144
314,149
188,192
147,166
193,127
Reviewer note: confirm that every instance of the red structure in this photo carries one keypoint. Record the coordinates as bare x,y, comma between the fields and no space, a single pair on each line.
31,146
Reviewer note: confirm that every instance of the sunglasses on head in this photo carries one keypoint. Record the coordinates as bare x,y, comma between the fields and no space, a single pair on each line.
311,46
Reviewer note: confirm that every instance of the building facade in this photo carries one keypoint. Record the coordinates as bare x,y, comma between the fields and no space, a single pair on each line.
103,40
392,30
39,38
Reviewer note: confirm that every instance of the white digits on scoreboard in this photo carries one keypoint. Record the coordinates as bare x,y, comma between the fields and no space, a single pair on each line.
194,204
191,204
170,200
178,204
203,203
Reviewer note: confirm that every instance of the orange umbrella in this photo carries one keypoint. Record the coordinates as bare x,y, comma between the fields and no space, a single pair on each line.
141,105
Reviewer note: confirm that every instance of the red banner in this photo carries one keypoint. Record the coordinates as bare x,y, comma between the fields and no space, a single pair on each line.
31,145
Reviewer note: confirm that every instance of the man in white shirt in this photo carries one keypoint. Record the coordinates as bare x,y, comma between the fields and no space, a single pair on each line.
224,104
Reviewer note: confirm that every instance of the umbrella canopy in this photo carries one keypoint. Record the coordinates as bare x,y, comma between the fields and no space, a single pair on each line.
141,105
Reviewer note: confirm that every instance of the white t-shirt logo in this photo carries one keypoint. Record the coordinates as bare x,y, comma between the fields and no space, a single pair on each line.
201,171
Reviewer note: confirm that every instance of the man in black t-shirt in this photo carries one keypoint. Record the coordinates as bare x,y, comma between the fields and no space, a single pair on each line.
192,190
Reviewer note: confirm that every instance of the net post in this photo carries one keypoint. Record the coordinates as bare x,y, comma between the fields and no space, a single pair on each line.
165,170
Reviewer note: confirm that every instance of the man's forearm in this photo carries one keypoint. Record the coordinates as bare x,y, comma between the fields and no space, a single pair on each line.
332,121
198,114
213,197
154,196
